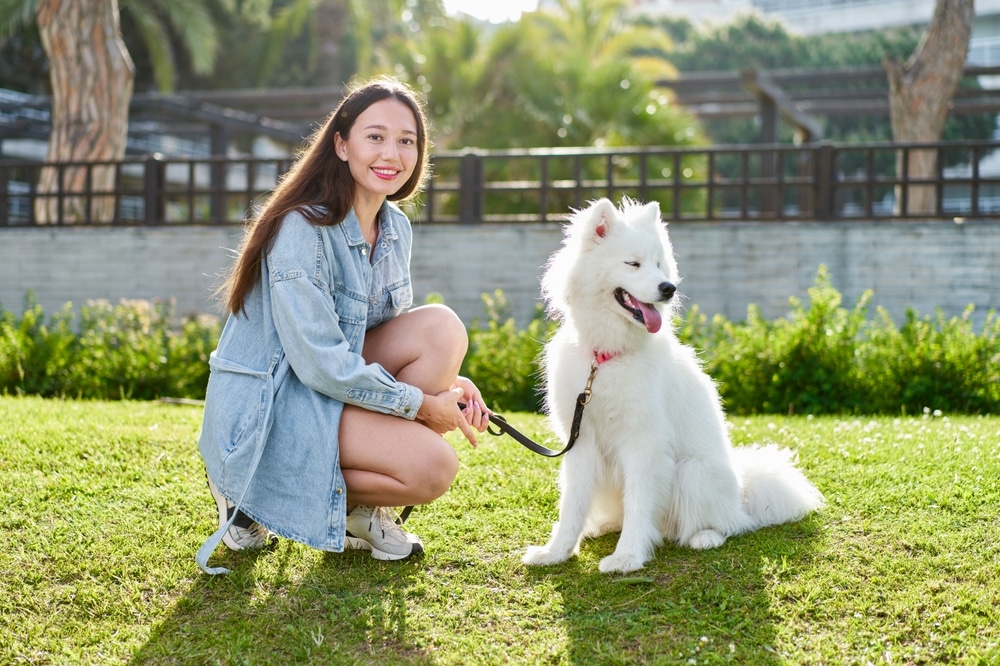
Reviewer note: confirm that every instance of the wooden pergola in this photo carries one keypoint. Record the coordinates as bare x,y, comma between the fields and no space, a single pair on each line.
800,96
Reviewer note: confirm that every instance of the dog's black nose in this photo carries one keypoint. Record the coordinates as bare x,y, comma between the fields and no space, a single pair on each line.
667,290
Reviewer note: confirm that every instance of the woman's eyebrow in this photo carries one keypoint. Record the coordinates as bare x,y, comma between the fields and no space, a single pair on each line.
386,129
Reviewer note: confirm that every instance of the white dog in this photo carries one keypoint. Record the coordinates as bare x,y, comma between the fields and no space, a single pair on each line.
653,459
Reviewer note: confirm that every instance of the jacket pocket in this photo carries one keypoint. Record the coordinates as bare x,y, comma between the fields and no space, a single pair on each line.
240,396
400,297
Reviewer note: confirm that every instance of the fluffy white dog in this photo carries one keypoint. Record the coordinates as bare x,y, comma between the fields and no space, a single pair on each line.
653,459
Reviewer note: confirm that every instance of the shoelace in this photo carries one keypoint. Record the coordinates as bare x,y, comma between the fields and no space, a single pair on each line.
384,518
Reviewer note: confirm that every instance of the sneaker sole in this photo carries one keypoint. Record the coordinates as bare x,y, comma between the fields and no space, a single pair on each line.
354,543
357,543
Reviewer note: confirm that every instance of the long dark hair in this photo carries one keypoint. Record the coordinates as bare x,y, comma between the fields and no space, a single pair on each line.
320,184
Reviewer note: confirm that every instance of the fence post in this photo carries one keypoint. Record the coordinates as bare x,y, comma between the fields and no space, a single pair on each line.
219,137
4,195
153,181
470,188
825,176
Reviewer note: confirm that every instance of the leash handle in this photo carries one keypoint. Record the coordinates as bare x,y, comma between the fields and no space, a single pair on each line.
505,428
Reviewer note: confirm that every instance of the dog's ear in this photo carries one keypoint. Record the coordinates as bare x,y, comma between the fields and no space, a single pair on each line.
651,212
603,215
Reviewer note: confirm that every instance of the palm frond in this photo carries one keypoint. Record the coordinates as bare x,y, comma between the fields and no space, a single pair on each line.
16,14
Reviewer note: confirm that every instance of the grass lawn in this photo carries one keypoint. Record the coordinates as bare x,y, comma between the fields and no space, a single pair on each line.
103,504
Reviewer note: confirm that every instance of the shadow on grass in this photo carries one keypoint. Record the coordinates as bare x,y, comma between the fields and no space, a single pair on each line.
685,606
294,605
343,609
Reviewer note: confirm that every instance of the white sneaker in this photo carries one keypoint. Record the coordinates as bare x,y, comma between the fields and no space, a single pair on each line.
374,528
244,533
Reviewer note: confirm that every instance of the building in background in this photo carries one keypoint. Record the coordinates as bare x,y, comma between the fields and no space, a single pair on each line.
813,17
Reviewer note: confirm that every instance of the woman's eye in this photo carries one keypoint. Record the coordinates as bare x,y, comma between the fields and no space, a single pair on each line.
374,137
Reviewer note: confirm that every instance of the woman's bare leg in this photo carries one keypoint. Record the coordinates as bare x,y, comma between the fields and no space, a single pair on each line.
387,460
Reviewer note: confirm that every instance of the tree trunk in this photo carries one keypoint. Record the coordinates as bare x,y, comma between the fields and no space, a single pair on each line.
920,92
331,17
92,77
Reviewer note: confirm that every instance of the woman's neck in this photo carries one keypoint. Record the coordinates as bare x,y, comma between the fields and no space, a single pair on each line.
367,211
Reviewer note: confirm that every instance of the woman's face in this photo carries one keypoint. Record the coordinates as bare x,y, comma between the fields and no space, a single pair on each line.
381,149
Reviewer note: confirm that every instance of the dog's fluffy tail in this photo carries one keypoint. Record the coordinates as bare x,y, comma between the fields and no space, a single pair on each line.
774,490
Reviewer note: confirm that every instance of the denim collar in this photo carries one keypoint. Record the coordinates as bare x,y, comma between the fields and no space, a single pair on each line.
351,226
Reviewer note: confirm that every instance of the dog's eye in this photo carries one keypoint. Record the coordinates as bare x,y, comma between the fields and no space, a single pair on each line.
633,264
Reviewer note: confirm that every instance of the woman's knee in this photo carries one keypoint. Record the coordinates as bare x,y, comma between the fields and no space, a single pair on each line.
441,327
437,473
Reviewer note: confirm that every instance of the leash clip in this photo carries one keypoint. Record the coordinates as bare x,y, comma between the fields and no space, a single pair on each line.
588,392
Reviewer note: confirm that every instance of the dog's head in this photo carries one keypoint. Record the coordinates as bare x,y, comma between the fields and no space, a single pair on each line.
615,261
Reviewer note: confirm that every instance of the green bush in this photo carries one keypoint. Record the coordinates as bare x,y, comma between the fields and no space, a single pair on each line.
822,358
932,362
136,349
825,359
503,360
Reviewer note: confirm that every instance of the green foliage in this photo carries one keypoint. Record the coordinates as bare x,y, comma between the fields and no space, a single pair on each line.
135,349
754,40
503,360
580,76
826,359
822,358
933,362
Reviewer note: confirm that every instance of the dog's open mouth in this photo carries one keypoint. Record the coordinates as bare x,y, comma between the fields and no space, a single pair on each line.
644,313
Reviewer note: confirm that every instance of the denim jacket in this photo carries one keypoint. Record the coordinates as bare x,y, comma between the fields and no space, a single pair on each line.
283,371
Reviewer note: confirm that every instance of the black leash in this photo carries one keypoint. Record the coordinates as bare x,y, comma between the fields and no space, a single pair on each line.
505,428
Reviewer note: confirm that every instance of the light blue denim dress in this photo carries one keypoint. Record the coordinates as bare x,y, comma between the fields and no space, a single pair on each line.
283,371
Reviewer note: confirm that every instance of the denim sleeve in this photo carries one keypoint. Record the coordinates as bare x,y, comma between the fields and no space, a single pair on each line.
308,318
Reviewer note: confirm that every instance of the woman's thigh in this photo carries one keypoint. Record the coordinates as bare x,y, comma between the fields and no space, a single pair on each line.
401,461
409,462
423,347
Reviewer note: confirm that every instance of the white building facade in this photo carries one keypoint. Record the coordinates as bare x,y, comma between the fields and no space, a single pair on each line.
813,17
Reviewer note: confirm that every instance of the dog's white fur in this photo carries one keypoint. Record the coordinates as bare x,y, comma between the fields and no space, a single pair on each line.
653,459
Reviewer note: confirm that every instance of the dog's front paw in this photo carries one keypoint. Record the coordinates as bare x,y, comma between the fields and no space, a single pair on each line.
621,563
707,539
543,556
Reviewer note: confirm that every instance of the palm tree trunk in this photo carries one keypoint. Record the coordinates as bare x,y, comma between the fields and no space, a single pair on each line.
920,91
92,77
331,17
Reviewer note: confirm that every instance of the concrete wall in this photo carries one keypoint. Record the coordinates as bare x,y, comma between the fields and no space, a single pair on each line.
725,266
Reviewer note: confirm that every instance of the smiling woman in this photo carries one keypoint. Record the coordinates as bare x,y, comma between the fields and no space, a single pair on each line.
328,395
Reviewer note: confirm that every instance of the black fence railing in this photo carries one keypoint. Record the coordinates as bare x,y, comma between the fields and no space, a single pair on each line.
819,181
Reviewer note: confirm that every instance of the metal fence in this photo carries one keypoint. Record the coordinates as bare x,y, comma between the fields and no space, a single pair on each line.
818,181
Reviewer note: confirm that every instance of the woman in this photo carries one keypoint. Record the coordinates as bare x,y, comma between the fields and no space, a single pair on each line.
328,397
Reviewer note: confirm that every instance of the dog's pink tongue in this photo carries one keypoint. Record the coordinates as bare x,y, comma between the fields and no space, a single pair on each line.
651,316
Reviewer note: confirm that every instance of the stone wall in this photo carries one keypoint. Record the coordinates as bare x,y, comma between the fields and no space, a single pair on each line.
725,266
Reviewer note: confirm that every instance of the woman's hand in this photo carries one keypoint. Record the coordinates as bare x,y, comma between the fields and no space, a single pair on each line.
442,414
477,414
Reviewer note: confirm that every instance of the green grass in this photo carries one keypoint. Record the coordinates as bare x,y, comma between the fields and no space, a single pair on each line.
103,504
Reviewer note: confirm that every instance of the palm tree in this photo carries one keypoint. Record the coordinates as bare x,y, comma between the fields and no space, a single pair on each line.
92,78
576,76
191,22
332,25
159,24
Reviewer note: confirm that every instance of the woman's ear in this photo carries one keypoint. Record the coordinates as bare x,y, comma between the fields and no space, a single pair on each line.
340,147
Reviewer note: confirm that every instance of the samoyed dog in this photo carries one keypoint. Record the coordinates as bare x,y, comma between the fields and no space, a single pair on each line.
653,459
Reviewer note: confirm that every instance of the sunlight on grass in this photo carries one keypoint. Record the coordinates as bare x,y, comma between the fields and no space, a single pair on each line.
104,504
